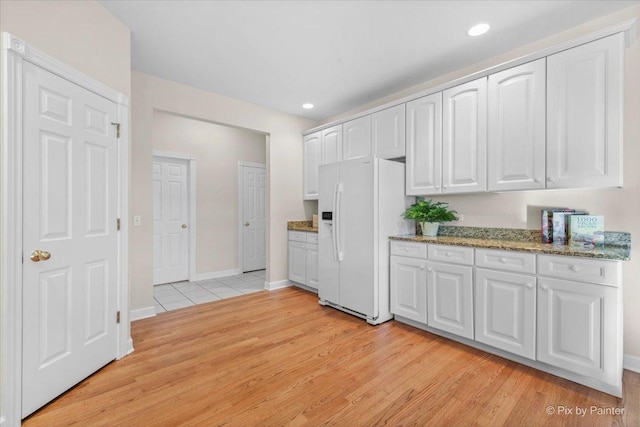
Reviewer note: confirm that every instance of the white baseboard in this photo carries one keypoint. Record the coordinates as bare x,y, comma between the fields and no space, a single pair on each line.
270,286
215,274
142,313
631,363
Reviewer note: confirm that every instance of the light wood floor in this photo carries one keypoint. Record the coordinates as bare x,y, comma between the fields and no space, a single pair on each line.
278,358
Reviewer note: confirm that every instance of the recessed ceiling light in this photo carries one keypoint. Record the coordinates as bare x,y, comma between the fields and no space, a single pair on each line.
307,106
478,29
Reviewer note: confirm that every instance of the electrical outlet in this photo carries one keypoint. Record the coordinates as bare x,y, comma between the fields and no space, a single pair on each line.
460,217
137,220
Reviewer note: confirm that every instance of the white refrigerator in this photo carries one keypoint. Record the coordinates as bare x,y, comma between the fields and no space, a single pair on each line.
360,205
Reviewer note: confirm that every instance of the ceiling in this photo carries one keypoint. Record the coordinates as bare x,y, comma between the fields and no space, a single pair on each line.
335,54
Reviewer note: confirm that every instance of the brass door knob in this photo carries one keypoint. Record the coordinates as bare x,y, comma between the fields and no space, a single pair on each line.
38,255
184,225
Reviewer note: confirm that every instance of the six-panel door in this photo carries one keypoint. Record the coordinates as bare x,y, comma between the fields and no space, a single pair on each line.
505,311
409,288
450,298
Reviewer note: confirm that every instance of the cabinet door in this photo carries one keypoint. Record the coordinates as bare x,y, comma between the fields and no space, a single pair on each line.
387,132
450,298
331,145
578,328
505,315
312,156
409,288
424,146
312,266
585,115
464,140
297,262
356,138
517,128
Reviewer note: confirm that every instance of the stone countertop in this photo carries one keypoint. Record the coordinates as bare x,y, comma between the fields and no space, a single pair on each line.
301,226
609,252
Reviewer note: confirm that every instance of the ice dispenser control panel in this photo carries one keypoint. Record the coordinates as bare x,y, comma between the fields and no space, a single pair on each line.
326,225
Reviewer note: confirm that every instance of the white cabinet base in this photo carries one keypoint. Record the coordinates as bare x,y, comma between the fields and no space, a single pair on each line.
577,378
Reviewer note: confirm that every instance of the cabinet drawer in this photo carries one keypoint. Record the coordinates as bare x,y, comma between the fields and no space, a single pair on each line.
298,236
451,254
580,269
409,249
506,260
312,238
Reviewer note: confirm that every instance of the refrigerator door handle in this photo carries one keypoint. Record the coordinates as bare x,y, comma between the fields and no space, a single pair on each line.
334,228
337,221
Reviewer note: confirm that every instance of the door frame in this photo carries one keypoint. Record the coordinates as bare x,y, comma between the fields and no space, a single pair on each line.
191,194
241,166
14,53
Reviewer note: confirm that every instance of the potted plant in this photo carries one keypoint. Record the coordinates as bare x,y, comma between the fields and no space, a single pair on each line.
430,215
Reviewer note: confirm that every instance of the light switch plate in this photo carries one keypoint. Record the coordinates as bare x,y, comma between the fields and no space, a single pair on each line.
137,220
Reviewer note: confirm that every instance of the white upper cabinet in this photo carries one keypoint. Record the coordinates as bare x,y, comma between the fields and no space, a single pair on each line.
357,138
464,139
516,141
387,132
585,115
424,146
312,159
331,145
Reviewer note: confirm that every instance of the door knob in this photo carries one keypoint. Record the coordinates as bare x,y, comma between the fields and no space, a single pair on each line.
246,224
184,225
38,255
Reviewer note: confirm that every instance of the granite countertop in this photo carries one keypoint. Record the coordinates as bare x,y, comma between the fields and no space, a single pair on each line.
617,245
301,226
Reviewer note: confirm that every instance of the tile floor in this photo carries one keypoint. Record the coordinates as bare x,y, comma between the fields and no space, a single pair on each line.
183,294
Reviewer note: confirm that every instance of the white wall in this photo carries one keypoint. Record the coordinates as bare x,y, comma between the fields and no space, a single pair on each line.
518,210
217,150
284,165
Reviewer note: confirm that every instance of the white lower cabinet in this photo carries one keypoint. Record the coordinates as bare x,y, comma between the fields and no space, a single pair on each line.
559,314
578,328
409,288
505,311
298,262
312,266
303,258
450,298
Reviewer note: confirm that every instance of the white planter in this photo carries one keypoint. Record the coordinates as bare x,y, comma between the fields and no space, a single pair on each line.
430,228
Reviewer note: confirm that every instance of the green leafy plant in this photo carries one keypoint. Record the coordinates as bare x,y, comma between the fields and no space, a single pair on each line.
428,211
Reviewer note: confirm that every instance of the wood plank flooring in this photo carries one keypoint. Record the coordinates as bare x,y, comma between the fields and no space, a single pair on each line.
280,359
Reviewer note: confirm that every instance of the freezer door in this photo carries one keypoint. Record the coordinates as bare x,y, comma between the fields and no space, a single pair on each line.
329,270
357,217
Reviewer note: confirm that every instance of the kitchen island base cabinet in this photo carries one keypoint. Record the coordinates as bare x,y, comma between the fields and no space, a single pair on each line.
409,288
505,311
578,328
450,298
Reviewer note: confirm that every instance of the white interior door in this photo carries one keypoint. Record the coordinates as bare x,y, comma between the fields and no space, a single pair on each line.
254,218
170,220
69,235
